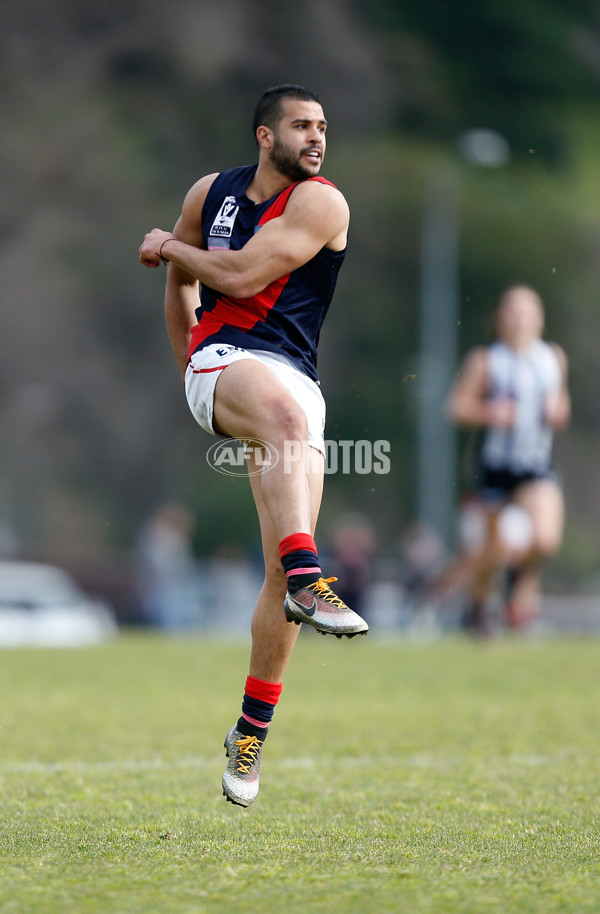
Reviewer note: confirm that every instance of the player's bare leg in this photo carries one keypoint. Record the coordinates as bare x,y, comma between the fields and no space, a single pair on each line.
543,502
483,565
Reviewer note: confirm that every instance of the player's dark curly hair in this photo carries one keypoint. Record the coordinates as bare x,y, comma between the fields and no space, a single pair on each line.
269,110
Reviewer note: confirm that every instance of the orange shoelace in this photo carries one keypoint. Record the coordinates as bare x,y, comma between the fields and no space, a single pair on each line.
249,747
321,589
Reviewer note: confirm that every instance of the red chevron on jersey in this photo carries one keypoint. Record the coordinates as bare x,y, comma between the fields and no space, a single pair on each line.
242,313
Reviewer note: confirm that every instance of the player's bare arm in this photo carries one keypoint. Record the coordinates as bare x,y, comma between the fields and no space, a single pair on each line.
182,290
468,403
558,404
316,216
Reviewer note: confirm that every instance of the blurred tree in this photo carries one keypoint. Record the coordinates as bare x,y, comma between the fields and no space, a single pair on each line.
497,63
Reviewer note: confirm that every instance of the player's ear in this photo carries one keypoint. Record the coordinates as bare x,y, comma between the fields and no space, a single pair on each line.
264,137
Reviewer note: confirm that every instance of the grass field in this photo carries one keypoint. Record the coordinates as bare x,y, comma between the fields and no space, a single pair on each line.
445,777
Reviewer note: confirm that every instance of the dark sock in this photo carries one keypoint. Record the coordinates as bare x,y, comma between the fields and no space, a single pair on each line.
258,707
247,729
510,579
300,560
474,615
296,582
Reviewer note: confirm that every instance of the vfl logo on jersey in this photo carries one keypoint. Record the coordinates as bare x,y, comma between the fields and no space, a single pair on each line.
222,227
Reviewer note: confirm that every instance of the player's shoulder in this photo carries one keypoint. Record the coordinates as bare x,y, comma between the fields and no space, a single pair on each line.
318,186
477,359
558,352
318,193
474,370
197,193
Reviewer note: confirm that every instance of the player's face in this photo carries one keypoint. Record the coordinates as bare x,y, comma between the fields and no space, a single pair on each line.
520,317
299,141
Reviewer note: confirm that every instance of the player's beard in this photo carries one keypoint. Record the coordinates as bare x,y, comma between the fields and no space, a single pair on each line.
288,162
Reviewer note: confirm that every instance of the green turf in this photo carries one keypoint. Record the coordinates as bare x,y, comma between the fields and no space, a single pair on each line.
400,777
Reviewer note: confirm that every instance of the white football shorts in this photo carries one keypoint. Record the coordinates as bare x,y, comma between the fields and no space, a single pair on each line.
203,372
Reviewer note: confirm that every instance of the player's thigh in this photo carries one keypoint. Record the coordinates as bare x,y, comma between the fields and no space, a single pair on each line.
250,401
543,500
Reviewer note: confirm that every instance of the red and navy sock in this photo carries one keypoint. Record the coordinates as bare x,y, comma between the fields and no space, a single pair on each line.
300,560
258,706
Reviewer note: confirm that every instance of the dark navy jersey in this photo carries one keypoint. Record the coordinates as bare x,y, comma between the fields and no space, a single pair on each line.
286,317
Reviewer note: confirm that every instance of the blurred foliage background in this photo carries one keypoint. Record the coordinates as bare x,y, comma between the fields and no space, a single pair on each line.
110,112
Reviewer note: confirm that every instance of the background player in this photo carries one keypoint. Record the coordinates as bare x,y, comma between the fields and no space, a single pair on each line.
515,391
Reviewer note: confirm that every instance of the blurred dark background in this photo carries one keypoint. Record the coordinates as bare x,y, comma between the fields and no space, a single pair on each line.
110,112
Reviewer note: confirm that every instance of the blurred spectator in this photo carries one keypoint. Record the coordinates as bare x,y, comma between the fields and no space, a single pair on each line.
423,554
168,572
515,392
354,547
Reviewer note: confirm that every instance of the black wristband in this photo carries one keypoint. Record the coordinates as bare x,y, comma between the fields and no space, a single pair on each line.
160,253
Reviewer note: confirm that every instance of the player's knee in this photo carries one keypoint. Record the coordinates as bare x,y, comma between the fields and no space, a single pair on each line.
291,419
546,543
281,418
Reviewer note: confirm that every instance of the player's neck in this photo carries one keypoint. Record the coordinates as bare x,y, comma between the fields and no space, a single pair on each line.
521,344
266,183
